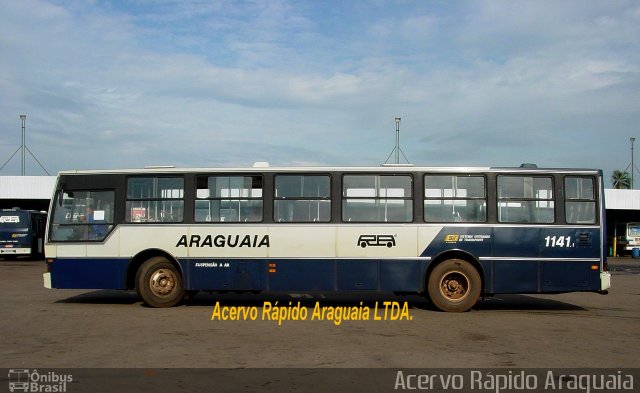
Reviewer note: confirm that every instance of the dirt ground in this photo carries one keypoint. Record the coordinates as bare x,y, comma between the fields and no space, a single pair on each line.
88,328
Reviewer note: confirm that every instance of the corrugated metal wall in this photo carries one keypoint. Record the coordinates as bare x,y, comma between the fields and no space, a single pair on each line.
27,187
622,199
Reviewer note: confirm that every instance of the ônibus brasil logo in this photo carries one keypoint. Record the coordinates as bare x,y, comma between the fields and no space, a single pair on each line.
23,380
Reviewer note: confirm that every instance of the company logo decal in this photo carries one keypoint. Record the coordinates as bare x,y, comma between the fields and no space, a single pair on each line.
466,238
9,219
32,381
224,241
376,241
451,238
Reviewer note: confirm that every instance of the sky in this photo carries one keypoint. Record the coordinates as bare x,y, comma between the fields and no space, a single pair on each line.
127,84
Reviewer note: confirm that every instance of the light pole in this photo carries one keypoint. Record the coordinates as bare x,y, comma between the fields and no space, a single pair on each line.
23,118
397,149
633,167
398,140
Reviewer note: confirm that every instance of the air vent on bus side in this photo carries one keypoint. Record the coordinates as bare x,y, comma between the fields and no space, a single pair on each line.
584,239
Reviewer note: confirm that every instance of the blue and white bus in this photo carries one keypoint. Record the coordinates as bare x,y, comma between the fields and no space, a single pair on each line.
632,236
452,234
22,232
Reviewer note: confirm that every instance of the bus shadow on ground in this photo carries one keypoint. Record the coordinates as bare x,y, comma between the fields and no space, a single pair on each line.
206,299
20,261
525,303
103,296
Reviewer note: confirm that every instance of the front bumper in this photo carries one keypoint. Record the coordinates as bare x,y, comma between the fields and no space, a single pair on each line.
605,281
15,251
47,280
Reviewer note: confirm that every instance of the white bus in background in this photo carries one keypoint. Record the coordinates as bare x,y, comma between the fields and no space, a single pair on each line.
632,235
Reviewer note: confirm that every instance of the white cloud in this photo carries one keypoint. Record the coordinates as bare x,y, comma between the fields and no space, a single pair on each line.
206,83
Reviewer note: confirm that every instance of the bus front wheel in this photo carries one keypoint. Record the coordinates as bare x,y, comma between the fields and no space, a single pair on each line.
454,285
159,283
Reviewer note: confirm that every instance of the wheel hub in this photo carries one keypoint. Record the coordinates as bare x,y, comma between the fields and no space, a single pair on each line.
455,286
163,281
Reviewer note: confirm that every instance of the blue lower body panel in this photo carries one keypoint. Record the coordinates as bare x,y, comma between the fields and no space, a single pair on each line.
569,277
515,277
329,275
541,276
304,275
89,273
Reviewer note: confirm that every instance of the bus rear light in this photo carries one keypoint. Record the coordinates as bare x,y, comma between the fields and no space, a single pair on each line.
50,260
595,267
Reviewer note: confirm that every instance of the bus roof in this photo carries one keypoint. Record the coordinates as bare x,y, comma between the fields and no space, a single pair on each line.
384,168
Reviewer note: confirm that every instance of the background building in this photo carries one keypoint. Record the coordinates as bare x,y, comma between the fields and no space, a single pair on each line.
26,192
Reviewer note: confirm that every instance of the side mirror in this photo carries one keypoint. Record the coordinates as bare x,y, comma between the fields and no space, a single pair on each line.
59,196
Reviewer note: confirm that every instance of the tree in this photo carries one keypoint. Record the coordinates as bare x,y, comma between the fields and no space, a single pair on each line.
620,180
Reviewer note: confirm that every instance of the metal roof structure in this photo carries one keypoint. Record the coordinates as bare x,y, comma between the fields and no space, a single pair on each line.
27,187
622,199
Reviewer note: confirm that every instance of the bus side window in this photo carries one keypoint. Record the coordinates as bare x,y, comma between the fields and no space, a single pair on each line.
227,198
377,198
454,198
302,198
525,199
580,201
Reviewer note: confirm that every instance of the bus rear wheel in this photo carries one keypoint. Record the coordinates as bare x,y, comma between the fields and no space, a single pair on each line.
159,283
454,285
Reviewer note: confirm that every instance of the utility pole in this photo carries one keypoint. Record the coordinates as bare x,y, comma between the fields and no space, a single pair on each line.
397,150
24,150
398,140
22,147
633,167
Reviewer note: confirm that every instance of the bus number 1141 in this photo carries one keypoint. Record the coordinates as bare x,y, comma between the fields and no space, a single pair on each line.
558,241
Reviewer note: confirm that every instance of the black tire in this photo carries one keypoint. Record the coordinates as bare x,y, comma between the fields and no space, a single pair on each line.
159,283
454,285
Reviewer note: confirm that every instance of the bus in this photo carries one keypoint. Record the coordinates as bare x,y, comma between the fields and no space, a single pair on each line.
632,236
454,235
22,232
